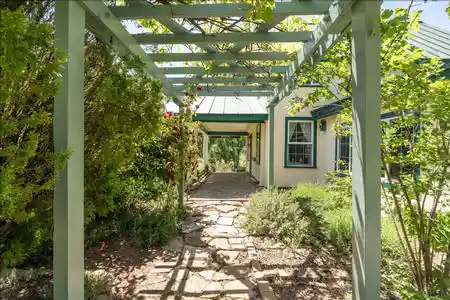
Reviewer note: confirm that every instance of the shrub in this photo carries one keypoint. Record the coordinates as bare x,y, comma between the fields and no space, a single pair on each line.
338,228
310,214
275,213
37,284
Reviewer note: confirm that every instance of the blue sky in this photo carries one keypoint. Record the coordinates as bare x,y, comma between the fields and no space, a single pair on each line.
433,11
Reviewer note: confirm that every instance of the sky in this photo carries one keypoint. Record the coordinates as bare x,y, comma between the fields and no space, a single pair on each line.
433,12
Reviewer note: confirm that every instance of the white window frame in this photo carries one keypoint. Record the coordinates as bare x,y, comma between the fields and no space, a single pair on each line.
288,142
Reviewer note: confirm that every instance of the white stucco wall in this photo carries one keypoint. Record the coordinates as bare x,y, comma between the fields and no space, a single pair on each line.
258,170
325,154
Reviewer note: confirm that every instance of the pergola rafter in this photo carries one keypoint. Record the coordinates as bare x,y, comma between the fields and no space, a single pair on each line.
215,10
237,79
228,80
225,70
198,38
223,56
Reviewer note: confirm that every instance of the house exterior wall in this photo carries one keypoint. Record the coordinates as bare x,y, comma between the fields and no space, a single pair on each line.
325,148
258,170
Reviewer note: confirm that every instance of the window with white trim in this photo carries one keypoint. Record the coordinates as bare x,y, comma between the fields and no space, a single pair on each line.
344,153
300,144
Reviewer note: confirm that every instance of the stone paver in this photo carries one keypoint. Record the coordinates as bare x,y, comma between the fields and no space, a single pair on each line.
209,260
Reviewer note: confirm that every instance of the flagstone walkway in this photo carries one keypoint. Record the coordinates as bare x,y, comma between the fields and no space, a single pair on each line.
212,257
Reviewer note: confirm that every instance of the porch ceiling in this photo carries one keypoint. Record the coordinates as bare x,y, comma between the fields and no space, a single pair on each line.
220,128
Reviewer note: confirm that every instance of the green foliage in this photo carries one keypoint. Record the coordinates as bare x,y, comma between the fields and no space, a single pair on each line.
144,227
29,78
37,284
122,112
227,150
413,88
275,213
128,144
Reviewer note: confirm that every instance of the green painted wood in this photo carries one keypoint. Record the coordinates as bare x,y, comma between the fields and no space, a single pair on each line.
227,133
215,10
182,170
68,132
366,165
224,70
198,38
180,29
233,93
225,80
229,88
106,25
332,26
271,146
231,118
264,27
286,132
223,56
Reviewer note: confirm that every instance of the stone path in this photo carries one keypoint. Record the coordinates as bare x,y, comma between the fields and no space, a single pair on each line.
212,257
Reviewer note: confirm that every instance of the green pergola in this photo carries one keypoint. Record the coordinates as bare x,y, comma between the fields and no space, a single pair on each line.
236,78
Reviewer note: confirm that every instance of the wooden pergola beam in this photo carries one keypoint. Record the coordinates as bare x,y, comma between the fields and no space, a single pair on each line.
327,33
198,38
215,10
229,88
224,56
109,28
224,70
228,80
231,93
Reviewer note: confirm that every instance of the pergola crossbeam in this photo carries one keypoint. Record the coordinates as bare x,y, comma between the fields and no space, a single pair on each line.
225,70
97,10
218,10
225,56
230,88
327,33
225,80
198,38
233,93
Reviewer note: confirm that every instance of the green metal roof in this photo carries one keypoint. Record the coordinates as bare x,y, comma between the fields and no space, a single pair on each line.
232,105
434,41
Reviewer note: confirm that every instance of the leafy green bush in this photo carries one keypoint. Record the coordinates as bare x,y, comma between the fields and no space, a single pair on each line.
338,228
128,143
309,213
29,80
37,284
275,213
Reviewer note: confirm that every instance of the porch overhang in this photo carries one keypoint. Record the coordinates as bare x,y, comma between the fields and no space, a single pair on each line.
231,118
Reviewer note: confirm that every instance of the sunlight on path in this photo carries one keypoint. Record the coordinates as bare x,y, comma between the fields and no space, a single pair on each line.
210,260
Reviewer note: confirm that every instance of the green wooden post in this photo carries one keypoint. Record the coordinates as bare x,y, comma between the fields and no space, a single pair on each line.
366,165
271,146
68,131
182,171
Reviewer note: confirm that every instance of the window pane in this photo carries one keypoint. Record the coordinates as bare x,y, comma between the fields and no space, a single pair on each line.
344,155
300,155
300,132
